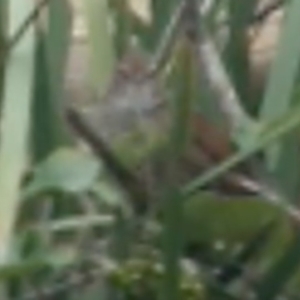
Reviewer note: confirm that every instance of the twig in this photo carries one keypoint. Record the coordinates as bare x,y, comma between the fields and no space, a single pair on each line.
17,36
126,179
32,17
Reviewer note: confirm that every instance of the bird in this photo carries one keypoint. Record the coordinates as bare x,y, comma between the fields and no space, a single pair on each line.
208,145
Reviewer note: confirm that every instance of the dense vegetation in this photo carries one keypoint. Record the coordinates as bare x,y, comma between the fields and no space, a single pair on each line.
78,223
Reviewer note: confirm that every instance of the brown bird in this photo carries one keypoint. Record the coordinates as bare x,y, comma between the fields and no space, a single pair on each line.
209,145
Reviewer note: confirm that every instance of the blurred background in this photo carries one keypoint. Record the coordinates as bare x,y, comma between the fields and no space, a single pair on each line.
149,149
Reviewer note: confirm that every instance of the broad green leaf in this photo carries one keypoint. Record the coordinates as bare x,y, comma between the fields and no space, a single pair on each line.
211,218
281,272
15,122
101,45
282,157
67,170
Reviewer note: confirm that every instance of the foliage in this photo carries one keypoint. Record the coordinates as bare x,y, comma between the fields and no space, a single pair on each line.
78,224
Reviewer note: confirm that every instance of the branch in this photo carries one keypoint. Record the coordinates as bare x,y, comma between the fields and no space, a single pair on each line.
125,178
32,17
17,36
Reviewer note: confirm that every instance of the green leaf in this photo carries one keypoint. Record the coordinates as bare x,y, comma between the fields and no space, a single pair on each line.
282,157
15,123
236,54
249,251
219,224
67,170
123,22
3,29
48,126
181,99
212,217
280,273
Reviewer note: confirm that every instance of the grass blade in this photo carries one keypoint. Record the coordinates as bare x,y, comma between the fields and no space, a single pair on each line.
3,29
58,40
221,87
162,13
282,158
237,50
123,20
182,96
15,123
49,130
278,275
